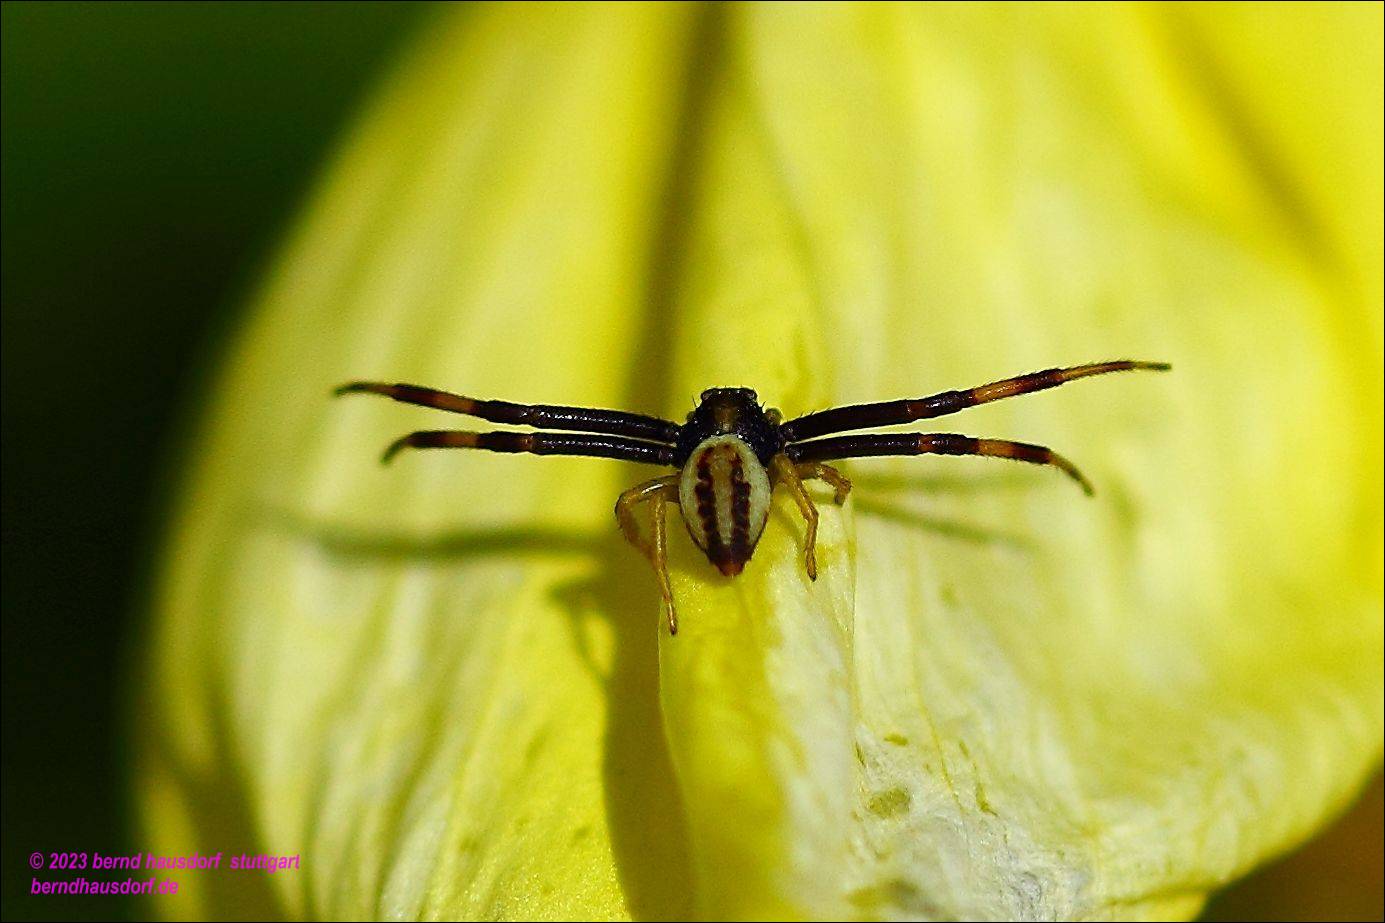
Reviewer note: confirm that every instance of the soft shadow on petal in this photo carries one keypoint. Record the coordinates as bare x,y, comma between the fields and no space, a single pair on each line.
437,680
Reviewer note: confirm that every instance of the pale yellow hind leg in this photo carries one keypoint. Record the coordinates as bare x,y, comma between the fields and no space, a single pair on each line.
810,470
656,549
785,473
659,557
793,476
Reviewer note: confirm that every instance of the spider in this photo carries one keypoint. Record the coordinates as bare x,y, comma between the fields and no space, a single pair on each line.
732,452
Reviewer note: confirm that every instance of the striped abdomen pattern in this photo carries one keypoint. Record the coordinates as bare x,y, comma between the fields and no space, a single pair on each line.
724,494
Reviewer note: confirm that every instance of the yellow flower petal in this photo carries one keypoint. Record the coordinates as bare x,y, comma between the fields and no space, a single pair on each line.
440,682
436,681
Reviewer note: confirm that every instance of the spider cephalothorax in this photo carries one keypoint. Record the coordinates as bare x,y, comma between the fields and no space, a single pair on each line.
732,452
730,411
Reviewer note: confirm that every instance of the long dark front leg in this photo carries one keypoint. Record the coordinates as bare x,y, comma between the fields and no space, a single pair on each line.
537,444
545,416
932,444
889,413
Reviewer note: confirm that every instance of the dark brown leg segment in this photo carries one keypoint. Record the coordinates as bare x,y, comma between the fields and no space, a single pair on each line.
933,444
543,416
889,413
537,444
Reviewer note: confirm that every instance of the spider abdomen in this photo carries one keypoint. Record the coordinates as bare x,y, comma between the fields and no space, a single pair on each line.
724,494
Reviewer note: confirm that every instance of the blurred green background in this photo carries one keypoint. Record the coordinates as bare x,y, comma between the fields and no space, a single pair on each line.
153,154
